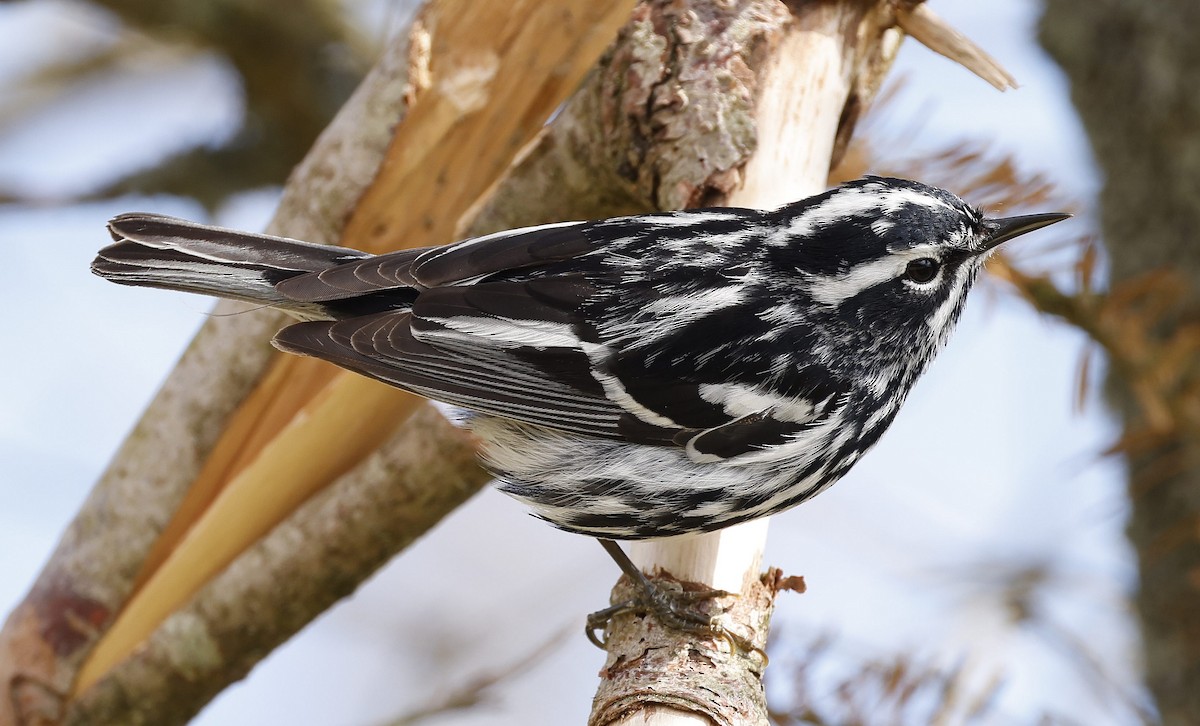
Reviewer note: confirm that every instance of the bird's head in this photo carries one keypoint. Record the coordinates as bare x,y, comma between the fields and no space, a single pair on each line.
889,262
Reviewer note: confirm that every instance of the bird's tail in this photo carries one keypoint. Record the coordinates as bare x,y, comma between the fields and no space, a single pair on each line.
150,250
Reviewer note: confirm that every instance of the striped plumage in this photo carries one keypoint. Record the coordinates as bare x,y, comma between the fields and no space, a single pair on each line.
638,376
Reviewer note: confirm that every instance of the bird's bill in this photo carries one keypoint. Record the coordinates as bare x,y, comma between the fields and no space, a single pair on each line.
1002,230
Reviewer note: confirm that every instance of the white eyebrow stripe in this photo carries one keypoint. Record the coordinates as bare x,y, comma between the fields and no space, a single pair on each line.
835,289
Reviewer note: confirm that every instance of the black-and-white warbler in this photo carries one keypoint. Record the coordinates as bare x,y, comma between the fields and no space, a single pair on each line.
639,376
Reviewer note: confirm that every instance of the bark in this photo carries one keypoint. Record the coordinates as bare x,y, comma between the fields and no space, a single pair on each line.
658,676
1134,69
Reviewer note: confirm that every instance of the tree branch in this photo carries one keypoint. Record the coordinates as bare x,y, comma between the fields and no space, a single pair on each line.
315,558
93,569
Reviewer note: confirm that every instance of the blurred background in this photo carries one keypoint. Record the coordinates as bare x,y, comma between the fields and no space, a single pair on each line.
977,555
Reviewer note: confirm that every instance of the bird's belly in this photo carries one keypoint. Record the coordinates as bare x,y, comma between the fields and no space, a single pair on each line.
619,490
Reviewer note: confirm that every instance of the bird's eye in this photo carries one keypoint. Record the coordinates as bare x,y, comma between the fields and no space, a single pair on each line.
922,269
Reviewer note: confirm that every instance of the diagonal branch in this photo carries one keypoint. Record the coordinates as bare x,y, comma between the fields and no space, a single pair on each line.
92,571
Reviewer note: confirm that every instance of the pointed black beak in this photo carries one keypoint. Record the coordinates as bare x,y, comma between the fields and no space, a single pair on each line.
1002,230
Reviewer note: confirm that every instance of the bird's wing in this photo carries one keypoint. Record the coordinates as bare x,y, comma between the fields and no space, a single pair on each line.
384,346
502,348
499,348
521,347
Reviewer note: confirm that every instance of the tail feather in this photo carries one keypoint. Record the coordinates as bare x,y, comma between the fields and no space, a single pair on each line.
156,251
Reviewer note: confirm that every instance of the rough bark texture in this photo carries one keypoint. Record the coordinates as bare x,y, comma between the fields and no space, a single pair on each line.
649,666
1135,70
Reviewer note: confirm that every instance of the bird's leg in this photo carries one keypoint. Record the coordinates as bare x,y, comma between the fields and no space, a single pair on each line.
674,610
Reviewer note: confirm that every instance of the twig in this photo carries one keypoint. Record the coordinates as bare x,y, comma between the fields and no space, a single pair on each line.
936,34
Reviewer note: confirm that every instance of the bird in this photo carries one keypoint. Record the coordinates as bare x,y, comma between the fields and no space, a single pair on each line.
633,377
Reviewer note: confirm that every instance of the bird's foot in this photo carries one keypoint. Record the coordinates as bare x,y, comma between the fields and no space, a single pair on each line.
675,610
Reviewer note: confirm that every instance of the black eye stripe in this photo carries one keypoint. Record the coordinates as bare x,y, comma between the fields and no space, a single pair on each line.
922,269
